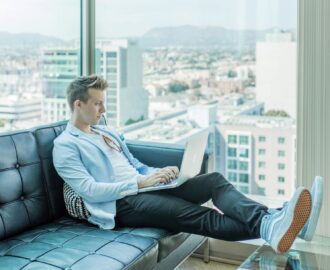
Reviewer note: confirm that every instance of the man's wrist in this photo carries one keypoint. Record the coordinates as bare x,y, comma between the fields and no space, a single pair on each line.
140,180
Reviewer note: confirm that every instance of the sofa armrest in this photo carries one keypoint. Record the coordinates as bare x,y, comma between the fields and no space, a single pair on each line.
160,155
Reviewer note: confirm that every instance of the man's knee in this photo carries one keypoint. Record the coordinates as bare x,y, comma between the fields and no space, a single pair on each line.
218,178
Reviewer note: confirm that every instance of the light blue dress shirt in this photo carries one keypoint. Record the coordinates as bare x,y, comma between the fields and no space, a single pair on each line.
83,164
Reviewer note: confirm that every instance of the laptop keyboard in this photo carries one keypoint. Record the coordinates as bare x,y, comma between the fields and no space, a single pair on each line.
173,182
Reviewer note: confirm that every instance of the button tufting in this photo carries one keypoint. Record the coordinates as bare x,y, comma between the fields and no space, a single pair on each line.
22,198
17,165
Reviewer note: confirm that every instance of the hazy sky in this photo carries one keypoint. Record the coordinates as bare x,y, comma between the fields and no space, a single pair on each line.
60,18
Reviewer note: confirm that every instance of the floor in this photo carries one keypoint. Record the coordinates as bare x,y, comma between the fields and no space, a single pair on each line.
194,263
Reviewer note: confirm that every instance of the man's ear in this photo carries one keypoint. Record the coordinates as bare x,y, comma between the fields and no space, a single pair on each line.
77,103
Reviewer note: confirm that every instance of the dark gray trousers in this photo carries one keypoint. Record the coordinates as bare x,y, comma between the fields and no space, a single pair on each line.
180,209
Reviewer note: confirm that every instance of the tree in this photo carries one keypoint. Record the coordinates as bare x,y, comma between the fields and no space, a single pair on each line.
132,121
232,74
279,113
177,86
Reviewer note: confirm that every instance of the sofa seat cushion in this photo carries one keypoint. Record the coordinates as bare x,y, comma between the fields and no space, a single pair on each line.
167,241
70,244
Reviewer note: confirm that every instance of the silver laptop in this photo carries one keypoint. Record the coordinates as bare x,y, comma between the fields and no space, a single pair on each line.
191,162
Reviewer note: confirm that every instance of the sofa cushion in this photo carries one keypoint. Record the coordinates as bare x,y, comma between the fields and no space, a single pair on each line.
71,244
23,200
167,241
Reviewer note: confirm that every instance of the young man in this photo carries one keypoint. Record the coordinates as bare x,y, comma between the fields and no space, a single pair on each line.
96,163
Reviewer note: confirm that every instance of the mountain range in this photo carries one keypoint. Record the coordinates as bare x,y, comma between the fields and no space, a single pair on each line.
179,36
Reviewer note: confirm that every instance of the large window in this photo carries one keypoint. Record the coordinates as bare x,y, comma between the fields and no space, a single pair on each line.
39,56
183,66
239,55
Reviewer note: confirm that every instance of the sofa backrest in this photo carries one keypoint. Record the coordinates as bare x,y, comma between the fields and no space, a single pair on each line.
45,136
23,196
30,189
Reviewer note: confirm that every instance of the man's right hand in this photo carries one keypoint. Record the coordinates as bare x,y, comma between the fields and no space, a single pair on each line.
153,179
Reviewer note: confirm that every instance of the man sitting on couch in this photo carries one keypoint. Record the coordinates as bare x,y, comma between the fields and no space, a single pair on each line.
95,162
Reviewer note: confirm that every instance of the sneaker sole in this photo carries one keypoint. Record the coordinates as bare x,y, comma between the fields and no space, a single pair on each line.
301,215
316,209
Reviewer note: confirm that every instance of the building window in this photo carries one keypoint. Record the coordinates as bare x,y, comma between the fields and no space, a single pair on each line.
243,189
232,139
281,166
262,164
232,164
261,191
243,165
111,54
244,178
262,139
281,179
244,153
281,153
232,152
244,140
262,152
280,192
232,177
281,140
262,177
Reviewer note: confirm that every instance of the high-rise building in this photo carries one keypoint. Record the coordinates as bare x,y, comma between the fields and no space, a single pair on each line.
257,154
120,63
276,69
59,68
17,112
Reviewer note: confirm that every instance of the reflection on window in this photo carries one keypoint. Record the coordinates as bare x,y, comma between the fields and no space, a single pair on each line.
243,165
262,152
244,140
232,164
244,152
232,177
243,178
262,177
243,189
232,139
261,191
262,164
231,152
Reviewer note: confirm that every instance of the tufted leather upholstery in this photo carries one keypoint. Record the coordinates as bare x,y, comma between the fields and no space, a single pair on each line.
59,244
23,199
35,230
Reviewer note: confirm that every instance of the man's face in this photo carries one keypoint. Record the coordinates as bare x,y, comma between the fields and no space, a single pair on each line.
91,111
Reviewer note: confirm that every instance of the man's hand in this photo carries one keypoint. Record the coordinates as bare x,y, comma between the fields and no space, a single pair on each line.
171,171
164,175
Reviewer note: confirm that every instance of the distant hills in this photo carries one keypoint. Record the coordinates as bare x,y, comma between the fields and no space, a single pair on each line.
182,36
193,36
29,40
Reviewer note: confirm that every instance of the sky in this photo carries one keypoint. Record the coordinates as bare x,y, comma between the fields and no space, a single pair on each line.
122,18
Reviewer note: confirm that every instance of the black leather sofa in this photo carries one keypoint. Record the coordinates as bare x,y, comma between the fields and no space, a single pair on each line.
37,233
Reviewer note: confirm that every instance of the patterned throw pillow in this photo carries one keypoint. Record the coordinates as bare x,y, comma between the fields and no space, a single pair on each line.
74,203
